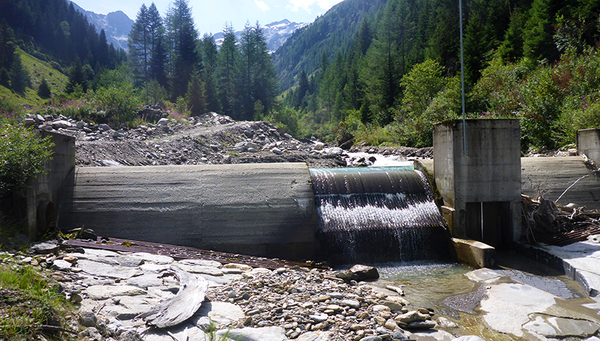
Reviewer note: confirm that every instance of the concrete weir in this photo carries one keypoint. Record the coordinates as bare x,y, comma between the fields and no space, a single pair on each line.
255,209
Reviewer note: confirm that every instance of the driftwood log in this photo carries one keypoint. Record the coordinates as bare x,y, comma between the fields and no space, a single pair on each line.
171,312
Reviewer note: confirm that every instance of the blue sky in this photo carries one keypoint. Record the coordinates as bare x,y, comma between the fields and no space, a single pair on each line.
211,15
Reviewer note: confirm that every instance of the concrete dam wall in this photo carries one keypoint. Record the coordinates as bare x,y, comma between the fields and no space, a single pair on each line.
255,209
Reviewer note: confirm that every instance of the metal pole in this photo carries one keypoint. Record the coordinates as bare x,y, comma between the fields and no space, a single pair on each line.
462,79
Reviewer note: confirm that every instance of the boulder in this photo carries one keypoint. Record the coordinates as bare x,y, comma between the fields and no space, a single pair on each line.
359,273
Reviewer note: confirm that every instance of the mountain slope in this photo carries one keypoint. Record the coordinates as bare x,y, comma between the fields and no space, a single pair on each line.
276,33
116,25
330,34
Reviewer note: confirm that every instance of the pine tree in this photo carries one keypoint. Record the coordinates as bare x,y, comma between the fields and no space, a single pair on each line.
44,89
77,79
258,81
19,78
229,59
158,54
182,37
210,55
139,44
195,96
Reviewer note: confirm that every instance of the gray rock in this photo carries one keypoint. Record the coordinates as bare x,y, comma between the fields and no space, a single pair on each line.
256,334
145,281
102,292
277,151
398,335
44,248
561,327
201,262
61,124
130,335
359,273
371,338
110,163
221,313
61,265
103,127
88,319
199,269
421,325
163,122
315,336
111,271
318,317
468,338
351,303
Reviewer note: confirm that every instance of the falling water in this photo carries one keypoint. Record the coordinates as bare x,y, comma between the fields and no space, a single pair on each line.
378,214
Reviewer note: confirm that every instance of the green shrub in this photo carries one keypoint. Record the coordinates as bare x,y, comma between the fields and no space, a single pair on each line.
23,154
119,101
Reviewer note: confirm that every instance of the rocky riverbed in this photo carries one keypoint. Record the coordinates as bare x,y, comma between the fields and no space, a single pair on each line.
206,139
112,290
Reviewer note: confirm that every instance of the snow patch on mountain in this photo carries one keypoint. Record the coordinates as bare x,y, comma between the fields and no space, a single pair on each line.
116,26
276,33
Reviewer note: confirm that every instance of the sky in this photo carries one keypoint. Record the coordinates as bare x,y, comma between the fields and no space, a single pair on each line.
212,15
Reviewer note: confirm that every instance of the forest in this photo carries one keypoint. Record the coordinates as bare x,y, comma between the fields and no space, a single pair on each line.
374,72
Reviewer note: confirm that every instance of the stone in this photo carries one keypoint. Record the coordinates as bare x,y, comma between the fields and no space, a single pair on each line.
393,305
238,266
411,316
372,338
103,127
319,317
359,273
61,264
421,325
201,262
102,292
111,271
200,269
44,248
398,335
396,289
91,333
61,124
88,319
351,303
319,146
163,122
316,336
277,151
468,338
145,281
221,313
445,323
561,327
256,334
391,324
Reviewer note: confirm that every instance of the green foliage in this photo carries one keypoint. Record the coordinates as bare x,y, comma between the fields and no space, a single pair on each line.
44,89
420,85
195,97
119,101
153,92
22,155
29,301
19,77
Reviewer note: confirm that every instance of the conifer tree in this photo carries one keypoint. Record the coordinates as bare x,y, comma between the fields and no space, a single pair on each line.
183,56
228,61
19,77
44,89
195,96
140,45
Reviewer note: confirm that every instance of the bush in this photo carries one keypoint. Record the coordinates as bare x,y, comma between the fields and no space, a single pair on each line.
119,101
23,154
44,89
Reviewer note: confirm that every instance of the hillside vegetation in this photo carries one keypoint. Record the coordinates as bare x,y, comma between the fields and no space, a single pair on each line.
534,60
373,72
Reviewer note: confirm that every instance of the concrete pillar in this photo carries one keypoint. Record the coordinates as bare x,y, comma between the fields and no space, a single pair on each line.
481,187
588,144
44,191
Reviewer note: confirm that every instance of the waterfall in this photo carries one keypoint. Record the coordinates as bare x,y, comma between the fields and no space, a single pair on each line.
378,215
